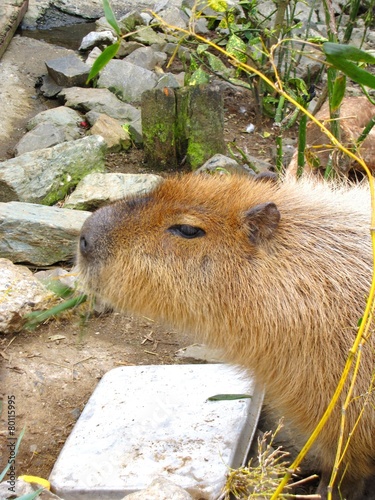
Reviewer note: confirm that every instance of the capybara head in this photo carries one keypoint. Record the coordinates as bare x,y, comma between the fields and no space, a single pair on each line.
276,274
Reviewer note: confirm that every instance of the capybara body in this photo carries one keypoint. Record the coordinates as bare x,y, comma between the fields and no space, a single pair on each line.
276,274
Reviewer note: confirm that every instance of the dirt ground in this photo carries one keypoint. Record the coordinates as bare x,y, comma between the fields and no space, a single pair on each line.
52,371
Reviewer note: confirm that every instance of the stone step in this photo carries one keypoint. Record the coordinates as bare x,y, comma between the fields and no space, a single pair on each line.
143,422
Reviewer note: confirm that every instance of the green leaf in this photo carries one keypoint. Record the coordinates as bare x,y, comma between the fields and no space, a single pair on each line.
104,58
237,48
218,5
350,52
31,496
357,74
34,318
240,83
18,442
109,15
300,86
338,92
217,64
228,397
198,77
202,47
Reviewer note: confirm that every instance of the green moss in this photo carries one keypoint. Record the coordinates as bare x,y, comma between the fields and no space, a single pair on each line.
65,184
196,154
162,131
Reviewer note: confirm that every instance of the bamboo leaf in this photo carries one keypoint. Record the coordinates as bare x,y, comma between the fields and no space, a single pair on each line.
228,397
104,58
34,318
347,52
18,442
31,496
338,92
357,74
109,15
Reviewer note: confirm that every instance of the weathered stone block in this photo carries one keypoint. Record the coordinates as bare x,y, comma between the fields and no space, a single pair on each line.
37,234
68,71
158,126
46,175
96,190
127,81
185,124
206,124
20,293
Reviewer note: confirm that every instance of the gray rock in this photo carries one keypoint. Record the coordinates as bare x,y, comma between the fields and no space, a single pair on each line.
135,131
103,25
46,175
147,36
101,101
49,128
92,57
63,117
49,87
21,65
174,16
127,47
127,80
20,294
96,190
130,21
147,57
147,18
68,71
38,234
160,489
97,38
168,80
41,137
132,131
115,136
221,164
261,166
20,488
182,52
88,9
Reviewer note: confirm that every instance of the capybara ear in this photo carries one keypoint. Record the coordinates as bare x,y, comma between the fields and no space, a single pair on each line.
262,221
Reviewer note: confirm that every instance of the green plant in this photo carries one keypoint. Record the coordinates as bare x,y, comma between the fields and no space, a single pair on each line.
28,496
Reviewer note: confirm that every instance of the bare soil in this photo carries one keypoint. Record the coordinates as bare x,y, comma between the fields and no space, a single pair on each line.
53,371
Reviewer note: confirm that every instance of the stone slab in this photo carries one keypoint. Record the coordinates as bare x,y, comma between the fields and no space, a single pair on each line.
144,422
37,234
11,14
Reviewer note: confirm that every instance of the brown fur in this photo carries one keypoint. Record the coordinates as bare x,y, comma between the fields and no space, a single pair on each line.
280,289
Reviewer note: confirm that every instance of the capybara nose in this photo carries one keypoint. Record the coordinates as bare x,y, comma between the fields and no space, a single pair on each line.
84,245
94,240
90,237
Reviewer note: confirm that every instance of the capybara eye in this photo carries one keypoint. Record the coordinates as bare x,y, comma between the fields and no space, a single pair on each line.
186,231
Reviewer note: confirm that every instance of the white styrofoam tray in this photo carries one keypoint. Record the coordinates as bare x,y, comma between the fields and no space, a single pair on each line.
142,422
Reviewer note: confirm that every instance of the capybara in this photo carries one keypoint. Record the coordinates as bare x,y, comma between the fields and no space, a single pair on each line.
276,274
